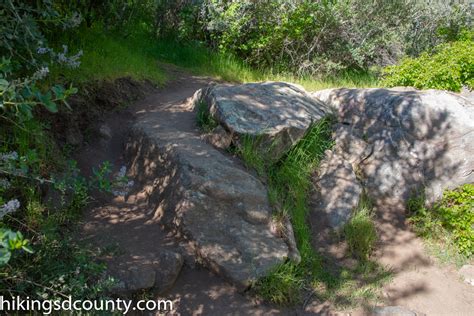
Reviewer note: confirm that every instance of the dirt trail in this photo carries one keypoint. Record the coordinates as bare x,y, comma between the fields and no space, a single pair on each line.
127,227
421,283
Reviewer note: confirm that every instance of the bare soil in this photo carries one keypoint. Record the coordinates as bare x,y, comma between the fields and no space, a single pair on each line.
126,226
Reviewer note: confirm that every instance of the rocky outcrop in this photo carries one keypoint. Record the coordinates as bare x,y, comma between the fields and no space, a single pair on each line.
404,140
276,113
204,196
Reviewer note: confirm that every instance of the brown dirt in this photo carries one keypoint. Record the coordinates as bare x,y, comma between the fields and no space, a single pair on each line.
420,282
127,226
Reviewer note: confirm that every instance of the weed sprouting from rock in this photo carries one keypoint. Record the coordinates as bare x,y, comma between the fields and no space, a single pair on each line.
204,119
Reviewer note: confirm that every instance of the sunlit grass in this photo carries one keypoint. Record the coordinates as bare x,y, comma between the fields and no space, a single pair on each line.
108,56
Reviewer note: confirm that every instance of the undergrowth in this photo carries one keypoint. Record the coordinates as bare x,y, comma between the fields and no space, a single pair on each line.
54,265
108,56
448,225
289,184
449,67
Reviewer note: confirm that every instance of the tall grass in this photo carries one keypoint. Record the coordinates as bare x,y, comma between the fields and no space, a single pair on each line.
289,185
109,56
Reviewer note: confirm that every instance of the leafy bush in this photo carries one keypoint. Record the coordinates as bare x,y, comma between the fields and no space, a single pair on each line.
449,67
314,38
452,216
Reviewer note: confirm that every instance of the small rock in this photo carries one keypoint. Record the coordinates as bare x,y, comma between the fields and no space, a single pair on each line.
140,278
157,272
105,131
219,138
393,311
167,268
467,273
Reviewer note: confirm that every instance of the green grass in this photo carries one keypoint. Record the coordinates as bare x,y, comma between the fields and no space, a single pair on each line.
448,225
108,56
204,119
289,184
359,232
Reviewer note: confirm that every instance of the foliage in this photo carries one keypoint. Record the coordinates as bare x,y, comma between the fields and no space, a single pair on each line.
204,119
360,232
11,241
314,38
449,67
19,98
283,285
108,56
250,154
451,218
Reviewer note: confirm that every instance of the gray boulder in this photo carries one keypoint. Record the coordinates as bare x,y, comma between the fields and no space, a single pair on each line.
158,272
204,196
276,113
415,139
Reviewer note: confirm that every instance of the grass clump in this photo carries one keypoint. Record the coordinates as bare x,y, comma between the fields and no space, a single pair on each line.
449,222
283,285
204,119
249,149
359,232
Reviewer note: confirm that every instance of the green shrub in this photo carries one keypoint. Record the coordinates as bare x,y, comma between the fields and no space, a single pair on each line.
314,38
449,67
451,218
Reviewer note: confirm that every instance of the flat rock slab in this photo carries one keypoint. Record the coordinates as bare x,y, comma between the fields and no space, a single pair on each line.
204,196
417,139
279,113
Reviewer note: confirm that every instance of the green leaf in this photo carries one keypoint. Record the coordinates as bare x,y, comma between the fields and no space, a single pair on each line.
27,248
3,84
5,256
45,99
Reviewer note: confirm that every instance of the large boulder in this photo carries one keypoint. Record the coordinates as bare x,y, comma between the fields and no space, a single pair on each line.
204,196
276,113
403,140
